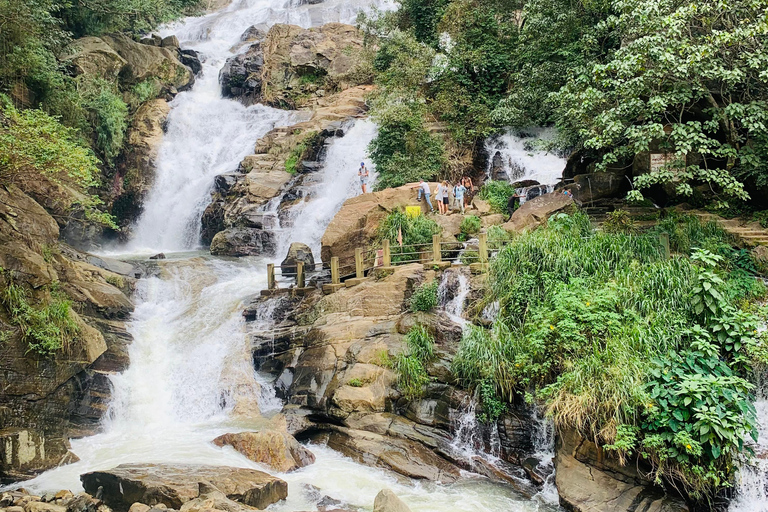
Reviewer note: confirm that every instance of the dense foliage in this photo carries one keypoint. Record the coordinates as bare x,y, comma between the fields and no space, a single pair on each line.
416,233
424,297
618,78
641,353
411,364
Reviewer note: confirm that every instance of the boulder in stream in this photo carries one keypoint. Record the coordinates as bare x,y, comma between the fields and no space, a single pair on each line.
278,450
296,253
175,485
387,501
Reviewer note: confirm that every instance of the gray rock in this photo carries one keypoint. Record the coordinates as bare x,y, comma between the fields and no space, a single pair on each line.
242,242
170,42
240,77
113,265
191,59
298,252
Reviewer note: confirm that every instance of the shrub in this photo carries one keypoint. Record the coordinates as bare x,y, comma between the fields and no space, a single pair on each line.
424,298
34,145
497,193
416,232
619,221
355,383
498,237
108,115
411,364
469,257
470,225
298,152
46,327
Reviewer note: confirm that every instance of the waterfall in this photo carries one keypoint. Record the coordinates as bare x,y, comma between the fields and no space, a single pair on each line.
452,294
207,134
544,452
515,158
752,481
328,188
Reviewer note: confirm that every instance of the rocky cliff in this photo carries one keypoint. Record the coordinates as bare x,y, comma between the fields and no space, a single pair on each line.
47,288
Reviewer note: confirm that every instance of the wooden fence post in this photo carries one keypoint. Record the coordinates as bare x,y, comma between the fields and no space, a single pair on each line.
482,247
436,254
386,254
664,239
270,276
300,281
335,270
359,269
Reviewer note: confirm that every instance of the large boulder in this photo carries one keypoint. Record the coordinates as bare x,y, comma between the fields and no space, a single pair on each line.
273,448
138,166
536,212
240,77
145,62
209,498
387,501
402,456
242,242
590,480
298,252
300,64
92,56
598,185
175,485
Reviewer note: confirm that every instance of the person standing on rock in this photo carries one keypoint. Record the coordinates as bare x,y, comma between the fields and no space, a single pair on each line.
443,197
363,174
468,193
424,191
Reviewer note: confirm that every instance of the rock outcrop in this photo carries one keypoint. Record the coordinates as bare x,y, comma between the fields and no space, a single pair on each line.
297,252
387,501
175,485
589,480
278,450
536,212
47,399
237,208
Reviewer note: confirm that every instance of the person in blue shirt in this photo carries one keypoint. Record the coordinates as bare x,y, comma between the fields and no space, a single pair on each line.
363,174
458,195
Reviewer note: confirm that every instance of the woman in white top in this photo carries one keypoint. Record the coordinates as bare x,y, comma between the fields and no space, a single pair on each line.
442,197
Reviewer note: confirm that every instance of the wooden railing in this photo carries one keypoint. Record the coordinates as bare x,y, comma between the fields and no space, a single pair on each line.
351,271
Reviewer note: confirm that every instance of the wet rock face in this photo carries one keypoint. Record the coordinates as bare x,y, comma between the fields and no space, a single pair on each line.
536,212
589,479
175,485
241,75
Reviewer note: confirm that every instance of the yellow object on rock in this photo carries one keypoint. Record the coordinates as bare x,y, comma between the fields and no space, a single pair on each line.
413,211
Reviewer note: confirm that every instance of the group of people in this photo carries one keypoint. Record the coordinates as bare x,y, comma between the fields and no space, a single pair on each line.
462,192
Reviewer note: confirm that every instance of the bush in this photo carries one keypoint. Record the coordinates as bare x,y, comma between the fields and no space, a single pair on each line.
469,257
46,327
416,231
297,153
424,298
498,237
108,115
497,193
619,221
591,321
470,225
34,145
411,364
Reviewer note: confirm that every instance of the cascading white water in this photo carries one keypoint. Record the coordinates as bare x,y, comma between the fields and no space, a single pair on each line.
328,188
209,135
452,294
514,157
752,482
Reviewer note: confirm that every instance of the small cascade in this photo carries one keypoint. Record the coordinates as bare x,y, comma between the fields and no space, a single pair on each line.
752,482
514,157
452,294
473,439
325,190
491,311
544,452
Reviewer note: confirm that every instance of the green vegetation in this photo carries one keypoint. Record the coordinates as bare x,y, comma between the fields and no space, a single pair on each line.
470,225
424,297
410,365
497,193
416,232
497,236
33,145
355,383
619,221
46,326
469,257
297,153
617,77
643,354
